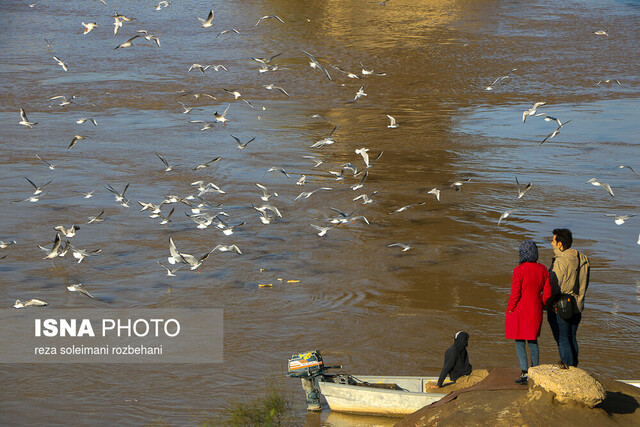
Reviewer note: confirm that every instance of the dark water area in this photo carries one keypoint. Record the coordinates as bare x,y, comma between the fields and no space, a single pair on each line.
372,308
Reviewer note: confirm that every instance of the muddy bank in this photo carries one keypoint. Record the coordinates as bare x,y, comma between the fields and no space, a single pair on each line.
533,407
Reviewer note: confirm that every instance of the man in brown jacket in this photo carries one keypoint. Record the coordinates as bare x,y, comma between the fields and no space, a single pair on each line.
564,279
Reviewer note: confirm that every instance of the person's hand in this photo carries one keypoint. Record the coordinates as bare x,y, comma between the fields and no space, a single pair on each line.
432,386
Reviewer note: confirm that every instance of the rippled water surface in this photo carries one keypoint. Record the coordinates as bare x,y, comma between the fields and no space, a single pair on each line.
372,308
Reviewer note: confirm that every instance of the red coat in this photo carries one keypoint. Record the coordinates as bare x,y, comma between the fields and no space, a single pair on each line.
530,290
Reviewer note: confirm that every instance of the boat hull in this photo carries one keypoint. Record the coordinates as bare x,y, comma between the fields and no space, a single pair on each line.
378,401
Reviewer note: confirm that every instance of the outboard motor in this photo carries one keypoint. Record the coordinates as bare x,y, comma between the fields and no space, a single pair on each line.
309,367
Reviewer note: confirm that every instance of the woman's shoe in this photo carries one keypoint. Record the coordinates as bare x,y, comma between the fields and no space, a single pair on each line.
523,379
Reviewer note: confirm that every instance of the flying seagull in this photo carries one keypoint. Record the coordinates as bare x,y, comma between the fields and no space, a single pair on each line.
78,287
435,192
307,194
75,139
227,248
83,120
167,167
360,93
88,27
67,232
233,30
53,252
267,17
221,117
348,73
265,194
128,43
24,121
242,145
405,247
404,208
554,133
37,190
60,63
595,182
325,141
531,111
506,214
206,23
458,184
508,75
522,190
274,87
206,164
628,167
321,229
313,63
31,303
171,271
620,219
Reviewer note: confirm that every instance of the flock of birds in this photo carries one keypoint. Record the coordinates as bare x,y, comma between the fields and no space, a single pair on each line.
533,112
200,207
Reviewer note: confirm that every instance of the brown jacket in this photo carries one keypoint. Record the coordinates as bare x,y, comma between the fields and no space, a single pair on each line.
563,274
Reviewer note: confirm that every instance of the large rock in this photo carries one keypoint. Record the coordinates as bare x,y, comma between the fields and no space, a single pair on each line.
572,384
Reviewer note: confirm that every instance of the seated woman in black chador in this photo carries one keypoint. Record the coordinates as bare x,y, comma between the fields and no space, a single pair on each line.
456,359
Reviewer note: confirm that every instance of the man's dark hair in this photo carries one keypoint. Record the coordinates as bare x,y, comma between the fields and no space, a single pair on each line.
564,236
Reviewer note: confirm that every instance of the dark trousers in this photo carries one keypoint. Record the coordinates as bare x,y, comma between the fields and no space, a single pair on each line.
564,332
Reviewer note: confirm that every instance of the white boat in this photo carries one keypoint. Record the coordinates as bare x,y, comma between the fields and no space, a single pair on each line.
378,395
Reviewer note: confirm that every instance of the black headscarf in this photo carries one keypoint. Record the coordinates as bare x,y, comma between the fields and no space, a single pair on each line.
528,251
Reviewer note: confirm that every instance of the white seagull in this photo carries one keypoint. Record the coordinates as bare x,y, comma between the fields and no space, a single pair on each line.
531,111
522,190
53,252
78,287
307,194
70,232
620,219
506,214
221,117
405,247
265,195
88,27
227,248
31,303
88,119
313,63
24,121
325,141
170,271
128,43
206,23
321,229
60,63
242,145
594,181
37,190
435,192
267,17
555,132
360,93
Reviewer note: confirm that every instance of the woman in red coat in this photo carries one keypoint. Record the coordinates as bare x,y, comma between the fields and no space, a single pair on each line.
530,291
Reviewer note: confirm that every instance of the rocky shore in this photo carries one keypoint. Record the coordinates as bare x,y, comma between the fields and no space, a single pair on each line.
554,397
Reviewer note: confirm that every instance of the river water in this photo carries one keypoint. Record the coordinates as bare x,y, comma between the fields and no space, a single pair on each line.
372,308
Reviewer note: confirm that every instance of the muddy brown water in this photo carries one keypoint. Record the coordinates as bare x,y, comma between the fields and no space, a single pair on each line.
371,308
